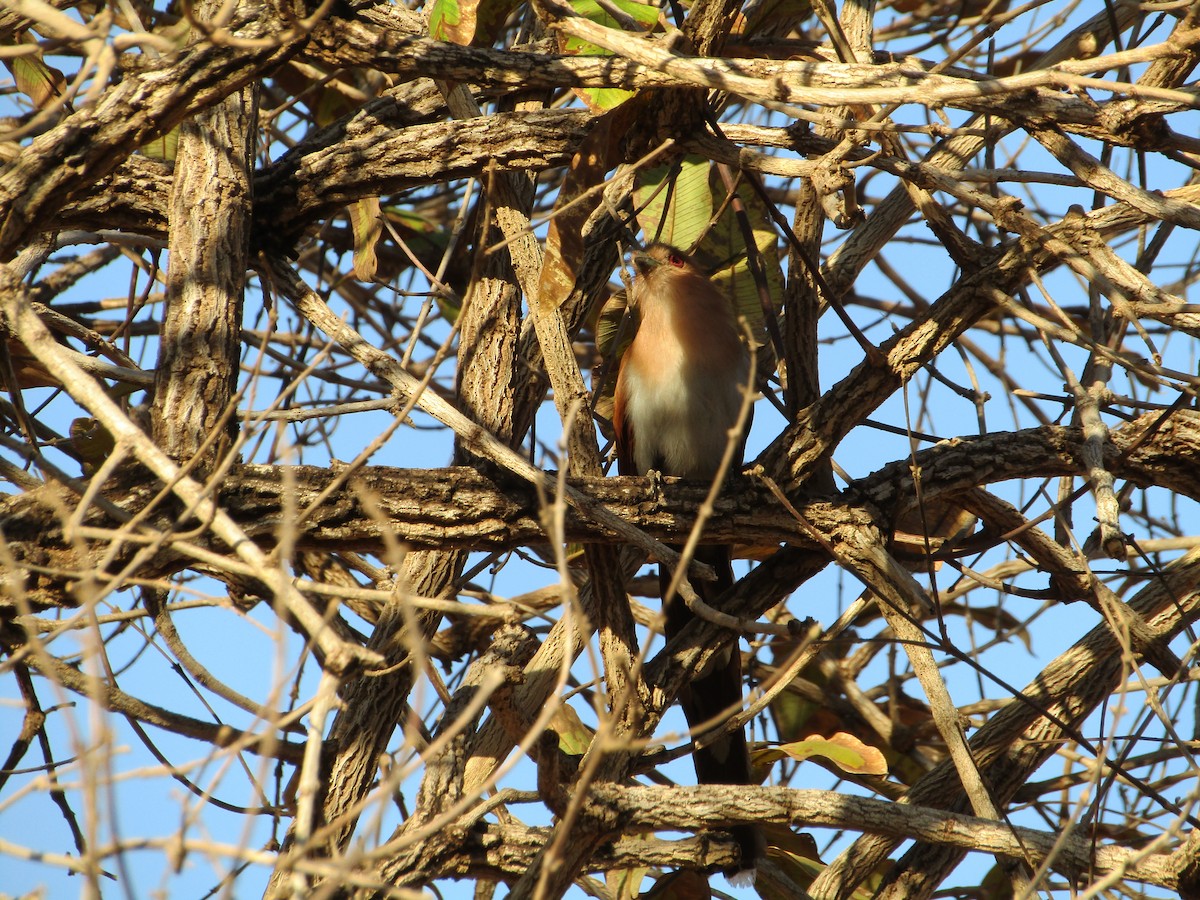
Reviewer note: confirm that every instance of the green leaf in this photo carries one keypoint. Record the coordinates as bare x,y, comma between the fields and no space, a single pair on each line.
643,13
331,106
573,736
444,19
674,202
726,244
600,99
449,307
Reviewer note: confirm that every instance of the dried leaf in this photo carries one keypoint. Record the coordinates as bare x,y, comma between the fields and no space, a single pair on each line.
684,884
29,371
599,152
41,83
469,22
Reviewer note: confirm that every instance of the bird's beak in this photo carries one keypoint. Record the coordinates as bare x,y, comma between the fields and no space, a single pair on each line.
644,262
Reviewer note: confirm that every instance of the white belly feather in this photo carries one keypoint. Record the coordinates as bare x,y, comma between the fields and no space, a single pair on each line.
682,425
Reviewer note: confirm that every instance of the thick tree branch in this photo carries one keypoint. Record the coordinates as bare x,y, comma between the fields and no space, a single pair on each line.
97,139
461,508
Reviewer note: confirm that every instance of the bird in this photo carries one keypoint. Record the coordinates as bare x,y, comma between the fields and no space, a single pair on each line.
678,395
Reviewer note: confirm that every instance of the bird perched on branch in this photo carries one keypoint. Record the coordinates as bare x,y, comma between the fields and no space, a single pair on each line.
679,392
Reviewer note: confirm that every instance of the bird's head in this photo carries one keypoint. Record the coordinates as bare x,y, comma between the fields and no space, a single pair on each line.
661,256
661,271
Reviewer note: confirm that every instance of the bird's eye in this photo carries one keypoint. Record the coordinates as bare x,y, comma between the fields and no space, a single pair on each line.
676,260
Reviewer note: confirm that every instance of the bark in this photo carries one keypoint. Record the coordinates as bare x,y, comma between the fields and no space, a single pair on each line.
196,376
464,509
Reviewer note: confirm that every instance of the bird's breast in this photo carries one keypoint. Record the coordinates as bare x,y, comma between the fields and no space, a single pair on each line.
681,398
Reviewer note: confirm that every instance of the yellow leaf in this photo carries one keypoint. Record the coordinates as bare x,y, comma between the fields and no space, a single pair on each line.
163,147
364,219
844,750
573,736
626,884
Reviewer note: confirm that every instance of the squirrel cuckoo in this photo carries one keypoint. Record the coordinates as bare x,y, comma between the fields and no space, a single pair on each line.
678,394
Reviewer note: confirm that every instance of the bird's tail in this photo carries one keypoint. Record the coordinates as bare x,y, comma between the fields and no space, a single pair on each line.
714,692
